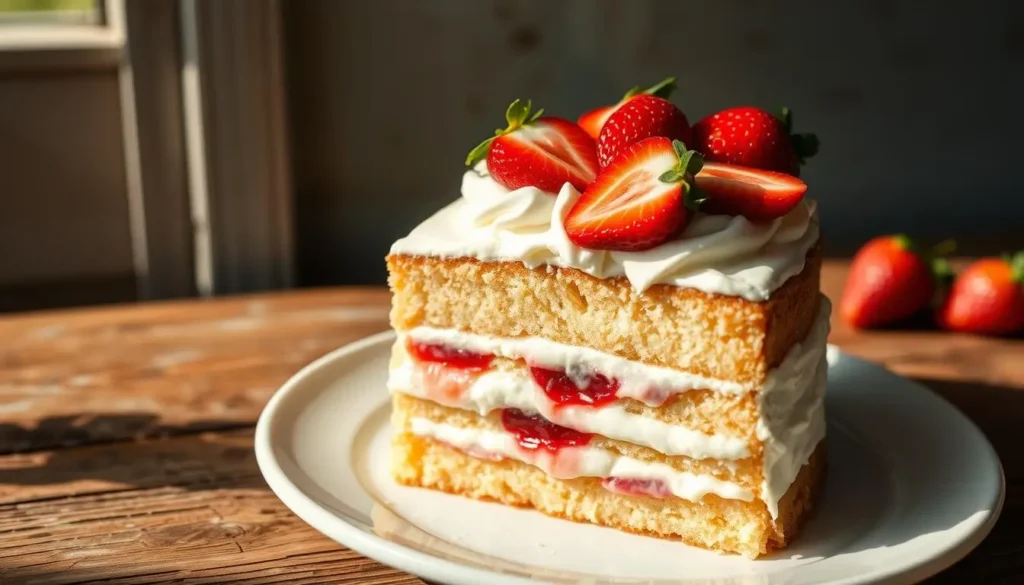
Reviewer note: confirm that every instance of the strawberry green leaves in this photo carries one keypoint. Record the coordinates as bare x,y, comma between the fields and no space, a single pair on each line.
517,115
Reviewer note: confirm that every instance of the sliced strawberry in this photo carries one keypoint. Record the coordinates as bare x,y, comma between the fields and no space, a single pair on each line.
640,200
594,120
641,117
753,193
532,151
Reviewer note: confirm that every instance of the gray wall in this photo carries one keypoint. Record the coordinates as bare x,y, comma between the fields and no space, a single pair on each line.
917,104
64,235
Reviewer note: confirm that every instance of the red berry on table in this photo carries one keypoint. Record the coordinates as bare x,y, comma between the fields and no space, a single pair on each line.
594,120
534,151
752,137
643,198
987,298
888,282
756,194
641,117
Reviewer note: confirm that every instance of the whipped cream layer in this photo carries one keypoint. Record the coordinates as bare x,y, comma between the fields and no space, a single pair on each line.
495,390
792,412
715,253
573,462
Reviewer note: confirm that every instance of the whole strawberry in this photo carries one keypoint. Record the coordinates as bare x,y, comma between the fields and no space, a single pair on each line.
640,117
752,137
888,282
594,120
987,298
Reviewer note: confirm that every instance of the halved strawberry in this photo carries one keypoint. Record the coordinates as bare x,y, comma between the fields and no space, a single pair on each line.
594,120
532,151
641,117
642,199
753,193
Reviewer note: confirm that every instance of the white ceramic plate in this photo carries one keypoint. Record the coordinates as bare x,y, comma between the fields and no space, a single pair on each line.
912,486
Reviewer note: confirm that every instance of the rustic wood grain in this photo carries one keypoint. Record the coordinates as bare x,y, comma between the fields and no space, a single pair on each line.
109,374
126,437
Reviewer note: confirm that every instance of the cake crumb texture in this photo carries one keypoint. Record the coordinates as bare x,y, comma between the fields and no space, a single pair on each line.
717,336
727,526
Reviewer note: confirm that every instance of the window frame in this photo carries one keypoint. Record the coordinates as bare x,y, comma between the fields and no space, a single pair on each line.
205,216
54,43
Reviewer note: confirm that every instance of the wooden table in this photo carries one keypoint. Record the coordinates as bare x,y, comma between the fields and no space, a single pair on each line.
126,437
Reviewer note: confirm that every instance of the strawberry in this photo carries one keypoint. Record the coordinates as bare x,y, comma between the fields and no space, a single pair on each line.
594,120
755,194
534,151
640,117
987,298
889,281
752,137
640,200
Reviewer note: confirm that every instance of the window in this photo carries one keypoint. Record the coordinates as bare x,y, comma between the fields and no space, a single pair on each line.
28,12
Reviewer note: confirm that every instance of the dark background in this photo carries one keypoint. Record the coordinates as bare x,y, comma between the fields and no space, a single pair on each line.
917,104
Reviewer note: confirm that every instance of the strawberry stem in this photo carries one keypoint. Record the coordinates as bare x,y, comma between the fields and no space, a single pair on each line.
805,144
1017,267
689,163
662,89
517,115
942,272
903,241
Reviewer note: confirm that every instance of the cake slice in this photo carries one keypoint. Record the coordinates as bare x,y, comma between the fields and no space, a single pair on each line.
675,391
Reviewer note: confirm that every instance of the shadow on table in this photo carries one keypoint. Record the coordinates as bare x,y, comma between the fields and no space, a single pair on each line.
999,412
127,451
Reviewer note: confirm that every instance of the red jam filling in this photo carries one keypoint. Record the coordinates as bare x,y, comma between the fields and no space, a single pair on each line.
439,353
654,488
533,432
591,389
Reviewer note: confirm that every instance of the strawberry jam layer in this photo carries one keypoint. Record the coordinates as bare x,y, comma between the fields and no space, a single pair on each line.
584,389
451,357
654,488
535,433
445,373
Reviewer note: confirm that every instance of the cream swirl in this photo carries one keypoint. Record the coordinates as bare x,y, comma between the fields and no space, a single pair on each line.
715,253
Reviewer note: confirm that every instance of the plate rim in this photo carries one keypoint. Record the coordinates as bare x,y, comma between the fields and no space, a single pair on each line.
435,568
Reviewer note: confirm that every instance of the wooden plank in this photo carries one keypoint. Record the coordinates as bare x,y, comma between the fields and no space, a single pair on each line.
190,509
108,374
125,507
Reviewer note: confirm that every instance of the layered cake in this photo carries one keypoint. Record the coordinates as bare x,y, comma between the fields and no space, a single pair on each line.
614,326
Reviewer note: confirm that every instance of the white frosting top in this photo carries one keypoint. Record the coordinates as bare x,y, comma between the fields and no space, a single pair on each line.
715,253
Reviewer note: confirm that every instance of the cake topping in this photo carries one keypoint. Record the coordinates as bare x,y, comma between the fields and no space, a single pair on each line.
584,389
641,117
594,120
752,137
534,151
755,194
642,199
534,432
